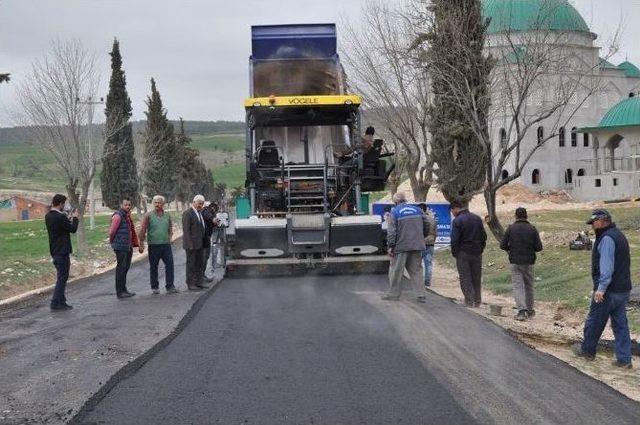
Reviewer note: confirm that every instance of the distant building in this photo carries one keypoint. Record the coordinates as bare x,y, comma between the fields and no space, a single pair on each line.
21,208
615,159
595,163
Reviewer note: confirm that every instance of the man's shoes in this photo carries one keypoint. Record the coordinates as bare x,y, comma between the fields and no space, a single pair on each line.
203,286
531,314
622,365
390,298
194,288
208,279
172,290
577,350
155,291
123,295
522,315
422,299
61,307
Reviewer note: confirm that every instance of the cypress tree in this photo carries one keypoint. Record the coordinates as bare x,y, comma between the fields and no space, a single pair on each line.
456,42
119,178
161,154
193,177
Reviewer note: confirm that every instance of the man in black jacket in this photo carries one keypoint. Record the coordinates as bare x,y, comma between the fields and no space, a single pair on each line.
59,226
522,241
193,237
468,240
209,215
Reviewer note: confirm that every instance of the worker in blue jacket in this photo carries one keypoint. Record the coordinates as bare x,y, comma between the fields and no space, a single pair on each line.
408,227
611,274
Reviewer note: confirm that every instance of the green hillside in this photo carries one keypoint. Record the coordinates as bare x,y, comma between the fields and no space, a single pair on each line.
27,167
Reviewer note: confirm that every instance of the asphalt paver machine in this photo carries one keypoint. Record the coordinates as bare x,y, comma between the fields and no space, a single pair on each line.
307,174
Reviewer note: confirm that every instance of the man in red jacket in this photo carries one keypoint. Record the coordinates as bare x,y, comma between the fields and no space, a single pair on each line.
123,239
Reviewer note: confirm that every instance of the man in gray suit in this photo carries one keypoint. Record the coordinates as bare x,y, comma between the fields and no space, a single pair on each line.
193,234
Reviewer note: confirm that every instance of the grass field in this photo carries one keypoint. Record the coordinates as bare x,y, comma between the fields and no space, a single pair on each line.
27,167
564,275
25,262
219,142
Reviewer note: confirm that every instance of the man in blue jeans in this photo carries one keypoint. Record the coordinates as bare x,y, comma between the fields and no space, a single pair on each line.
611,272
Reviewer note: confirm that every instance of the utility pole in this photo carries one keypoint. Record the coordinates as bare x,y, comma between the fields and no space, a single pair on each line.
92,204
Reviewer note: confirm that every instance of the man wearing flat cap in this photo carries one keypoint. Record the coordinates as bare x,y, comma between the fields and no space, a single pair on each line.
611,273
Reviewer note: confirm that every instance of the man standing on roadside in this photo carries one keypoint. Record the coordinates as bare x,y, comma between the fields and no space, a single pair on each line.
611,274
123,238
468,240
429,241
59,226
522,240
407,230
158,228
193,235
210,223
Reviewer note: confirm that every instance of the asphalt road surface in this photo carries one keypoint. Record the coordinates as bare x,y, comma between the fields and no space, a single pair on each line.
327,350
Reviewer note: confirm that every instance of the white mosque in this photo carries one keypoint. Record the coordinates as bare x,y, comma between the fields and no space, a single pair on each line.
596,156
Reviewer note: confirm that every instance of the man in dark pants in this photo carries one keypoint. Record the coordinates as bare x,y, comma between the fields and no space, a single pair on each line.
59,226
468,240
522,241
611,274
123,239
157,228
193,233
210,222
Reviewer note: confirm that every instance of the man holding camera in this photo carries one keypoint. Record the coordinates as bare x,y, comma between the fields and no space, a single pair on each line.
59,228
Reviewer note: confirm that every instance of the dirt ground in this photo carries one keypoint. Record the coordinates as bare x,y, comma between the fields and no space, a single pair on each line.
552,331
510,197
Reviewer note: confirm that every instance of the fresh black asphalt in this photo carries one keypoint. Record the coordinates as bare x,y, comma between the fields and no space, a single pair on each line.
326,350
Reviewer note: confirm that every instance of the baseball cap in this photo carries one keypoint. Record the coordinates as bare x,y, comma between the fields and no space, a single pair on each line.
598,214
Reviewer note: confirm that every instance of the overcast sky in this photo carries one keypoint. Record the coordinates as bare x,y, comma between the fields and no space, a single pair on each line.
197,50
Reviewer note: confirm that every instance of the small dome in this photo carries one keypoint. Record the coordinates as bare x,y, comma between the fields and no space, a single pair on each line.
630,70
526,15
624,114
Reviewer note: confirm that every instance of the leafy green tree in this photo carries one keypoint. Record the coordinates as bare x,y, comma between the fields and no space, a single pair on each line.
119,178
160,149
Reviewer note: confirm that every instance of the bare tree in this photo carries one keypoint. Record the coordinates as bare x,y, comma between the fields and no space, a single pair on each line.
537,87
395,89
57,121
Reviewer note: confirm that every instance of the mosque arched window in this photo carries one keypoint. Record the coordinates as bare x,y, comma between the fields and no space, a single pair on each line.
503,137
562,135
540,134
574,137
535,176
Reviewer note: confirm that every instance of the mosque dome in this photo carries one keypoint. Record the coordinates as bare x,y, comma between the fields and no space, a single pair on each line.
527,15
623,114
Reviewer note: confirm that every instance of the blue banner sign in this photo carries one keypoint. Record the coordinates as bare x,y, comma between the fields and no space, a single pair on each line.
441,210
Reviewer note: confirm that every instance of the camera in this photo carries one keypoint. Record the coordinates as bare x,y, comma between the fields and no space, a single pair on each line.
223,219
